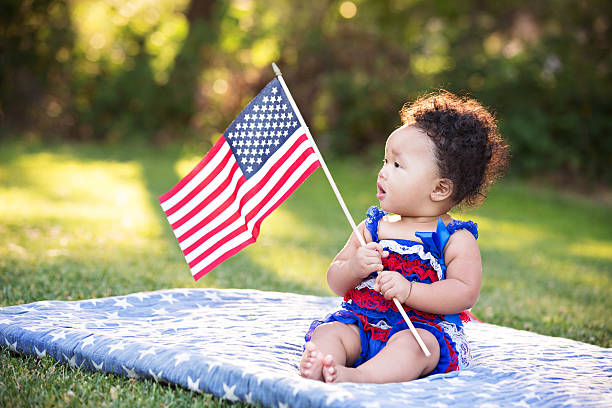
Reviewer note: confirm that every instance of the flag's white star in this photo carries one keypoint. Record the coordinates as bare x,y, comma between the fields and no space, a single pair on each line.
228,392
274,90
256,108
249,169
265,99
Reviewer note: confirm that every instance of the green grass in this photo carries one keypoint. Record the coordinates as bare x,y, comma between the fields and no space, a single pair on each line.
78,222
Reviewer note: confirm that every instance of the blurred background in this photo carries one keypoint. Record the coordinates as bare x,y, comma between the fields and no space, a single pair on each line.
177,71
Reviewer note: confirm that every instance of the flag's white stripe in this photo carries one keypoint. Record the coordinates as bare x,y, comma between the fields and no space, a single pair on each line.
246,235
208,190
243,190
194,182
234,207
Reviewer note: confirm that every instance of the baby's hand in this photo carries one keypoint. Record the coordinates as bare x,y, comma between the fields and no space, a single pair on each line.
368,259
392,284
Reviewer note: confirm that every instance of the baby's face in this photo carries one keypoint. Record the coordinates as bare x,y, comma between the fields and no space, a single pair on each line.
409,172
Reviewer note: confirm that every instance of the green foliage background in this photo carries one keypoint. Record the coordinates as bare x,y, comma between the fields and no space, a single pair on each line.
179,70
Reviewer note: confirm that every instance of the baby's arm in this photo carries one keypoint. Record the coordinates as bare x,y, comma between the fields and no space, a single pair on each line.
354,262
458,292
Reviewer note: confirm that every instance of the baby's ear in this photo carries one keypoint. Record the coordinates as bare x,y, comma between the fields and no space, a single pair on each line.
443,189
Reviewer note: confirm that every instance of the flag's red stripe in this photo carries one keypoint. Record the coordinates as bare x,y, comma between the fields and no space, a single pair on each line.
213,195
203,184
247,197
256,188
222,258
262,202
214,214
257,225
303,177
211,153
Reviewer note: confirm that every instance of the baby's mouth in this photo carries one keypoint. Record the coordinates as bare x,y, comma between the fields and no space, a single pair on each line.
381,191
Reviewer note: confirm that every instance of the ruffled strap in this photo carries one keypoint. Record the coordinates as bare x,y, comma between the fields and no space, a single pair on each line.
373,217
456,225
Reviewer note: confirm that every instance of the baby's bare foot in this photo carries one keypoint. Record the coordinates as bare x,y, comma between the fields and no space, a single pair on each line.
311,363
333,372
330,369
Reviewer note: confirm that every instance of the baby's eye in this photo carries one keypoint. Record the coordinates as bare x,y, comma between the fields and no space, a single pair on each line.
384,161
396,164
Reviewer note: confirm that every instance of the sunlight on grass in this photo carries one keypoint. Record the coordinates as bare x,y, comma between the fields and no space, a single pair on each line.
592,249
289,252
104,201
78,228
507,236
183,166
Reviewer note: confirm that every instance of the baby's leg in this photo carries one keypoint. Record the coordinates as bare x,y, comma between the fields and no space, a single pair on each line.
338,340
400,360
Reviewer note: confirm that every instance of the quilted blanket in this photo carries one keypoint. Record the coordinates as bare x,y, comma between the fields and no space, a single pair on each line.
246,344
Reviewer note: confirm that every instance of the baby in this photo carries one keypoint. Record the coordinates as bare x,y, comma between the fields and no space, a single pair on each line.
447,152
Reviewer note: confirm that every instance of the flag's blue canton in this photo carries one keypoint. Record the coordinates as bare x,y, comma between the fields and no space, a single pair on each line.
261,128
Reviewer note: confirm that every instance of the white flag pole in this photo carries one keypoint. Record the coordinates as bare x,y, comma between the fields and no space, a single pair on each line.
341,201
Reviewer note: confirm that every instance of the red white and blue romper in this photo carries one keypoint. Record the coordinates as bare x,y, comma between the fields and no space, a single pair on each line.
378,319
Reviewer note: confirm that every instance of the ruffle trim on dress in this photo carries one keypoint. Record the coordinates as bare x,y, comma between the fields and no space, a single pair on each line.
416,249
462,347
455,225
373,217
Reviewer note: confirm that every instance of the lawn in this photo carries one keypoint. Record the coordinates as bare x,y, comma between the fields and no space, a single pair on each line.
78,222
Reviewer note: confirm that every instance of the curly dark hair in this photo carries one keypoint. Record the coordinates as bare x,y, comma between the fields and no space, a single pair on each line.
469,148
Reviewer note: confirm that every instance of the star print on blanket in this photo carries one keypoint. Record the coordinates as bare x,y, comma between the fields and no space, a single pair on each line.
245,345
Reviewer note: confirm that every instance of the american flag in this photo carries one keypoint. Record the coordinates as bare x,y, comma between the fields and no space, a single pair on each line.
261,158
